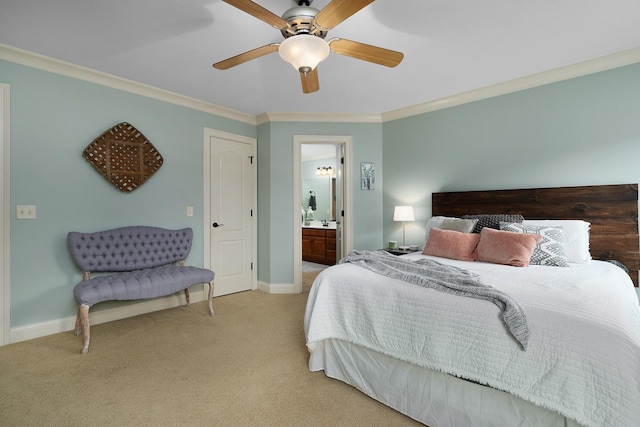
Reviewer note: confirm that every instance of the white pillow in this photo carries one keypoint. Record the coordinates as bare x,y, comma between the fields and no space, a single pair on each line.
449,223
457,224
434,222
576,237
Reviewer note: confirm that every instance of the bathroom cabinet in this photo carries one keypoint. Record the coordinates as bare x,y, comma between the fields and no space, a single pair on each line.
319,245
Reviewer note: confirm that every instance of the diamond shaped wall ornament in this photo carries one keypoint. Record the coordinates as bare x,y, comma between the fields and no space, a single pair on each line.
124,156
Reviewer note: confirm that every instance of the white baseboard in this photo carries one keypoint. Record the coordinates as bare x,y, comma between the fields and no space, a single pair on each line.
277,288
37,330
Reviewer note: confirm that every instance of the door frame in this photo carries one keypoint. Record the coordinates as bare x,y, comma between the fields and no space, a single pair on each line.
5,302
347,221
206,198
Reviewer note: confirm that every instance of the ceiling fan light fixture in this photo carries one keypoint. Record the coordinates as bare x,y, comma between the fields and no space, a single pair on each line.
304,51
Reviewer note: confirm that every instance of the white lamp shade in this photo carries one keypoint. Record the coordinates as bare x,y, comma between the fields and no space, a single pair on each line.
403,213
303,51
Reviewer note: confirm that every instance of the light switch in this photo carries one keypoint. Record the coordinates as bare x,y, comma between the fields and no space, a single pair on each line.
189,210
25,211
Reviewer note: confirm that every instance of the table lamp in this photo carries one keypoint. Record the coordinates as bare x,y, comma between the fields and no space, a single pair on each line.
404,214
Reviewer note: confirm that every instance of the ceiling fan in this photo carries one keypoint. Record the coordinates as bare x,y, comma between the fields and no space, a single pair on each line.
304,29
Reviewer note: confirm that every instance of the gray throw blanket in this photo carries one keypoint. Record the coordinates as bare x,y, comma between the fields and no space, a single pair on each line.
445,278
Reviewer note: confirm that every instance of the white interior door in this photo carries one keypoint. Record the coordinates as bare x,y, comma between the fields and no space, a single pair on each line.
339,201
231,214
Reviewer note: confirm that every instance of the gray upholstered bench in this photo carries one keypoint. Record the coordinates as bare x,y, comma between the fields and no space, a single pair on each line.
143,262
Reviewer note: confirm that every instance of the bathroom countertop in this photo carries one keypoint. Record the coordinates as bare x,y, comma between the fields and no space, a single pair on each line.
318,225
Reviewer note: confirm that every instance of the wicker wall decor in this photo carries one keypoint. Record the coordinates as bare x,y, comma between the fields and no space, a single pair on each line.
124,156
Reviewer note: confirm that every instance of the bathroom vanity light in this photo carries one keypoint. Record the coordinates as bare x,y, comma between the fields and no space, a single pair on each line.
324,171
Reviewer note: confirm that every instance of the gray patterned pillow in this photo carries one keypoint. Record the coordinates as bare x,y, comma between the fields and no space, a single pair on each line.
493,220
549,250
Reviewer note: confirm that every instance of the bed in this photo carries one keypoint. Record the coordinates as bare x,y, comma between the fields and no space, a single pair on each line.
447,360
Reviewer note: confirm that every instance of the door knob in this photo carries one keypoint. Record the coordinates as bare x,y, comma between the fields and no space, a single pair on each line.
216,225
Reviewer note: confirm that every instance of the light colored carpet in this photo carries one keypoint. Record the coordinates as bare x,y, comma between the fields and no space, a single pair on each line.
307,279
312,266
247,366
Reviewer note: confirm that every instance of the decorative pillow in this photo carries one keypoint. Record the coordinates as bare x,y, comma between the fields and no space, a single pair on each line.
451,244
506,247
549,250
576,237
493,220
457,224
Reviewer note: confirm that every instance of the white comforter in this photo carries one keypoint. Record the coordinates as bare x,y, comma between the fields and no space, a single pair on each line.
583,357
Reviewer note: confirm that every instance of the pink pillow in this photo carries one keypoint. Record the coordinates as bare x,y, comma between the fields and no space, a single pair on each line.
451,244
506,247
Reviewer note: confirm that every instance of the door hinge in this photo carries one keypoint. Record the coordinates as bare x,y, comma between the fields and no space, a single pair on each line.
342,160
342,213
252,266
251,212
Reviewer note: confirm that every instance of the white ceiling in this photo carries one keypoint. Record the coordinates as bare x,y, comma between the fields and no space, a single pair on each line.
450,47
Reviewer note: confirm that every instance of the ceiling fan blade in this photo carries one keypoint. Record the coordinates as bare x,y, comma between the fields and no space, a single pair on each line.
246,56
337,11
310,81
259,12
365,52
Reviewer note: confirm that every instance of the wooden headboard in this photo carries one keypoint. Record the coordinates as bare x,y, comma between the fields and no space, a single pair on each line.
612,211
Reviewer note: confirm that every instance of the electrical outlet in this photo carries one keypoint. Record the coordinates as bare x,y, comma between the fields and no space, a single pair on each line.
25,211
189,210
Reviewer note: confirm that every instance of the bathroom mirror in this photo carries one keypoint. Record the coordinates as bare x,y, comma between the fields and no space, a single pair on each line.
318,169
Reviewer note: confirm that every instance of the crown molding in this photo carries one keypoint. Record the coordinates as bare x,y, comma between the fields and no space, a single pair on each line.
319,117
591,66
45,63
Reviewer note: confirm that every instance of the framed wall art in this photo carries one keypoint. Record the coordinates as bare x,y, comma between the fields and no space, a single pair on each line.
368,176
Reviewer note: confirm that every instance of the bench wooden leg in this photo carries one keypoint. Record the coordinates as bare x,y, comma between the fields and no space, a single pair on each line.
77,331
211,299
83,314
186,294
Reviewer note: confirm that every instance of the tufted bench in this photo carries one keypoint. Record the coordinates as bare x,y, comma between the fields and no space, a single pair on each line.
143,262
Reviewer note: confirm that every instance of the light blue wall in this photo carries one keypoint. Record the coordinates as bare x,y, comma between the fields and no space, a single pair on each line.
576,132
264,202
276,180
52,119
583,131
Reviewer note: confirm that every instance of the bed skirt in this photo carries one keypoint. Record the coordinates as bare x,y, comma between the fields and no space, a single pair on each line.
431,397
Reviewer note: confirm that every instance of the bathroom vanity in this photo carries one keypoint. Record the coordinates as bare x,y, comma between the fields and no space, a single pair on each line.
319,243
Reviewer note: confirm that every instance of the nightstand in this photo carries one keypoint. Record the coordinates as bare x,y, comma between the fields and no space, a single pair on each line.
398,251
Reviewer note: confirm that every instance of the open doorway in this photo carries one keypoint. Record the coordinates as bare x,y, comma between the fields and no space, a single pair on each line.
321,203
322,226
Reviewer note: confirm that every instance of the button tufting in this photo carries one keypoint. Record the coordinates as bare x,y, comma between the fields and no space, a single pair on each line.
144,247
